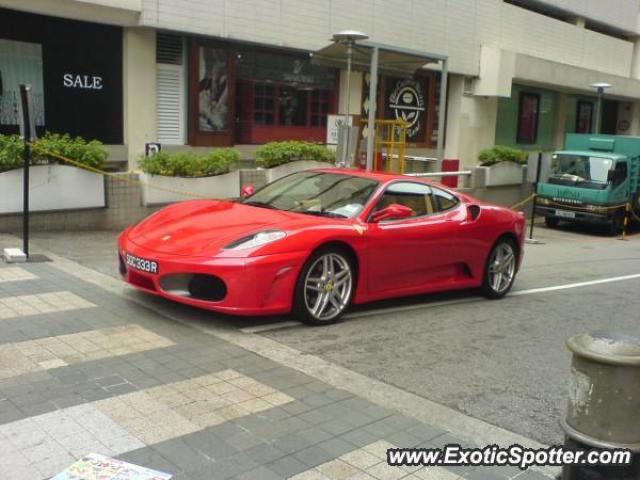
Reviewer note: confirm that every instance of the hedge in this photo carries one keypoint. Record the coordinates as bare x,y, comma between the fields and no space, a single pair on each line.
278,153
501,153
91,153
190,164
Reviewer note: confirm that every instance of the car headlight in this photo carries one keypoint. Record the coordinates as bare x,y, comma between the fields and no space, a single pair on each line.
543,201
256,239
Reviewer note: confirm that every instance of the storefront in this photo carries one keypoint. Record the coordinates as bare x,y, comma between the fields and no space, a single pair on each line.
240,94
74,68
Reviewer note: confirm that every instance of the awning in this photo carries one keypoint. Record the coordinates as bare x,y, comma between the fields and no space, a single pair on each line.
379,58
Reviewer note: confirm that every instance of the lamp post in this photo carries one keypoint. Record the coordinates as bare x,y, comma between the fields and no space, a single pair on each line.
348,38
600,88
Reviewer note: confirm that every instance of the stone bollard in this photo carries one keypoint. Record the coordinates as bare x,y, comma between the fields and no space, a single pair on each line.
604,402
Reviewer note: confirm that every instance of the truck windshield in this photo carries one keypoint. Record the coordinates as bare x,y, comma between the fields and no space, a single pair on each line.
580,170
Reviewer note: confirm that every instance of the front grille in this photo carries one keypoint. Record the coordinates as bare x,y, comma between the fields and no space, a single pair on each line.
195,285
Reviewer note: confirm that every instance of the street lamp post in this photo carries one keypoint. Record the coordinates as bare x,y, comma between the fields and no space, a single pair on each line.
349,38
600,88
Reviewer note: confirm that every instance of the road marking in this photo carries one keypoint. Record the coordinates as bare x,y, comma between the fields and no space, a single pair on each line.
270,326
24,305
15,274
62,350
574,285
41,446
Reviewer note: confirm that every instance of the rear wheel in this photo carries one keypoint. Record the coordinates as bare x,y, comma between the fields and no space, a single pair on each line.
500,270
551,222
324,287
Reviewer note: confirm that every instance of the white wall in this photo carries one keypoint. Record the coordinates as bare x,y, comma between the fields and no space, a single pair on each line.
621,14
454,27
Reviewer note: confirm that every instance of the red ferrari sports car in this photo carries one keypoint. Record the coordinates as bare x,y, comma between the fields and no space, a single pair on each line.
316,241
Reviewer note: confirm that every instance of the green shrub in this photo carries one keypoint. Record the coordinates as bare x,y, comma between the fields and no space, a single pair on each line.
277,153
87,153
11,149
501,153
190,164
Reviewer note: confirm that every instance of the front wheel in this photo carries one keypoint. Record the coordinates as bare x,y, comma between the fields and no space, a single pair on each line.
324,287
500,270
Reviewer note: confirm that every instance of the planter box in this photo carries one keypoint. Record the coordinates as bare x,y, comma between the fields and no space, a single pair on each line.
178,189
52,188
293,167
504,173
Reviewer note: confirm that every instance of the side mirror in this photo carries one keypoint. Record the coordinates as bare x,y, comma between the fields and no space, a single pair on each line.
247,191
392,212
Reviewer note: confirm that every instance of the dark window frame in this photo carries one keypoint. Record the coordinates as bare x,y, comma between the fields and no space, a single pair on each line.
579,104
520,137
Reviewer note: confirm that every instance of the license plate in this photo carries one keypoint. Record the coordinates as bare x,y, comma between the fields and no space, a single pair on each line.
141,264
565,214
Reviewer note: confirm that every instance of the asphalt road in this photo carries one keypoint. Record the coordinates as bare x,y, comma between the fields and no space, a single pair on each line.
504,362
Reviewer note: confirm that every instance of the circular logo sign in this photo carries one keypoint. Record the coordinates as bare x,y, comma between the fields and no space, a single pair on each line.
407,102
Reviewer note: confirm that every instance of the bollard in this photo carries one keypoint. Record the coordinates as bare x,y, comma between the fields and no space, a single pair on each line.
604,402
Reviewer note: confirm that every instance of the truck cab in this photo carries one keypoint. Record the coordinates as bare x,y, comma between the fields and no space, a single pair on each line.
591,181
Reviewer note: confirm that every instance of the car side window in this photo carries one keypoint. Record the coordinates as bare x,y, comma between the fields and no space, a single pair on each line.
416,196
621,173
443,200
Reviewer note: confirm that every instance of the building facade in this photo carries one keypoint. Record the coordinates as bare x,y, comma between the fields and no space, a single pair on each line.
194,74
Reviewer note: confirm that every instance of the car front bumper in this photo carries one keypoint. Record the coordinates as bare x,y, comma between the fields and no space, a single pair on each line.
262,285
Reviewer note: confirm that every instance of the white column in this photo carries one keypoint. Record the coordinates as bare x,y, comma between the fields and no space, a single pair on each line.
471,123
353,104
139,77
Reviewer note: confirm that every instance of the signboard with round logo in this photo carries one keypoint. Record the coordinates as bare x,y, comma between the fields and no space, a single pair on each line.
406,102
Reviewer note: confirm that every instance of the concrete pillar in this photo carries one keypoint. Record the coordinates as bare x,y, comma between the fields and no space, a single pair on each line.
139,77
634,128
471,123
355,93
635,59
560,120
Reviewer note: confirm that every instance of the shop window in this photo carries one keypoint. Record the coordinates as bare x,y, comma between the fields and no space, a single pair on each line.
293,106
319,107
528,117
213,93
20,63
584,116
263,104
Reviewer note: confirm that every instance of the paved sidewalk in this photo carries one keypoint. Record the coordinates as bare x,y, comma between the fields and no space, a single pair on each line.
83,369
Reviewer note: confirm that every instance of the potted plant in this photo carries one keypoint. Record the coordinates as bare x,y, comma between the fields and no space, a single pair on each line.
172,177
500,165
54,184
283,158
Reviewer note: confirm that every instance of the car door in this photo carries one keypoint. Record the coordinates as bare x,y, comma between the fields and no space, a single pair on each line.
411,253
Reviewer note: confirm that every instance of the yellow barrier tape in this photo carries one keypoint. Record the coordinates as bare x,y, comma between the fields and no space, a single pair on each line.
119,175
519,204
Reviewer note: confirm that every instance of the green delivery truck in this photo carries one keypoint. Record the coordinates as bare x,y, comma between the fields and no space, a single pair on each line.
591,181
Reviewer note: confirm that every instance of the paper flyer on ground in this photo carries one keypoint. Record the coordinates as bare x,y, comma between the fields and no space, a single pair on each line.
98,467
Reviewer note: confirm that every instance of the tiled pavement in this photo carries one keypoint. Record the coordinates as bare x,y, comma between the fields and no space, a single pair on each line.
84,370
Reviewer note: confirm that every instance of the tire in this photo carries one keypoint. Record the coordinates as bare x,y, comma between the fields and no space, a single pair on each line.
551,222
617,223
324,287
506,253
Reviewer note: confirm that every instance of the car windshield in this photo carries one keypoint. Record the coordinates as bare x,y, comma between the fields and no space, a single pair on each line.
316,193
580,170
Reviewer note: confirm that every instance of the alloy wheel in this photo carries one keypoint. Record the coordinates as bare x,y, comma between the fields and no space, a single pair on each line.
327,286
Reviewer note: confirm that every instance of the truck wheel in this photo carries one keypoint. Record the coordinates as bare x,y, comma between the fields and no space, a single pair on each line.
617,223
551,222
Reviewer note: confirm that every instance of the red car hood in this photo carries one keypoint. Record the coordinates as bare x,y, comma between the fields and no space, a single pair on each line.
202,227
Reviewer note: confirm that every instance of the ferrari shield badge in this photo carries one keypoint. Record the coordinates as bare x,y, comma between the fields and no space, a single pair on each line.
359,229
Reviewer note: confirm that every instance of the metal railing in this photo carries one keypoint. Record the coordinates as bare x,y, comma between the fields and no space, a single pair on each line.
459,173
